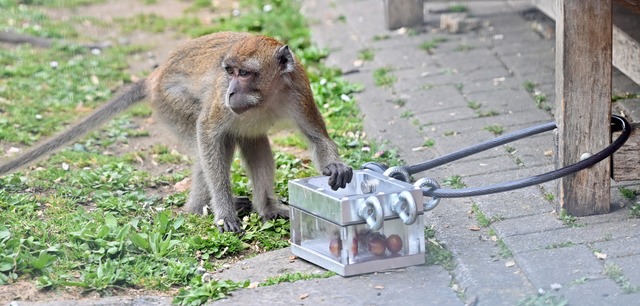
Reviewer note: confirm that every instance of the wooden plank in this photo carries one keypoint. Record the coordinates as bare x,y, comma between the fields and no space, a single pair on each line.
583,91
626,161
626,48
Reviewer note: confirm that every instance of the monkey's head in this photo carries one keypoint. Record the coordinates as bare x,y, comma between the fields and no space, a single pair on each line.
256,68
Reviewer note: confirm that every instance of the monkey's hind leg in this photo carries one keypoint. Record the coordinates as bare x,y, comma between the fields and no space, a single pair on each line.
257,157
199,195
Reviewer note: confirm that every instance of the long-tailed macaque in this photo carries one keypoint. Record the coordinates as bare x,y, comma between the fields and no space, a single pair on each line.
219,92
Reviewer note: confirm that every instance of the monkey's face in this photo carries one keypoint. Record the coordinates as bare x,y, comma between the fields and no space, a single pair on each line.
242,92
257,70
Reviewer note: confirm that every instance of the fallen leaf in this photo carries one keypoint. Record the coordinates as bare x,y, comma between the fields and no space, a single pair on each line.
253,285
548,153
293,257
493,238
183,185
304,296
474,228
600,256
378,287
510,263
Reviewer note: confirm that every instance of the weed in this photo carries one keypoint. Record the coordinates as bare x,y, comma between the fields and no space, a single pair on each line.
381,37
625,96
529,86
614,272
481,219
495,129
454,181
549,196
489,113
458,8
634,210
203,292
407,114
436,252
463,47
432,44
449,133
292,277
400,102
544,299
628,193
560,245
568,220
366,54
428,143
474,105
383,77
510,149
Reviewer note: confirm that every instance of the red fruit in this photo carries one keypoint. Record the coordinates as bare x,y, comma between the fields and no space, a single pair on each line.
377,245
394,244
335,246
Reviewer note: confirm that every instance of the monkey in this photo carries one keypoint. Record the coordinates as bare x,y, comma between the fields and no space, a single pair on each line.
218,93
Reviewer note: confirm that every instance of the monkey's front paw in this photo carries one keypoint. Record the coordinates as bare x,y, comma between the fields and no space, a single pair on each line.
229,224
339,175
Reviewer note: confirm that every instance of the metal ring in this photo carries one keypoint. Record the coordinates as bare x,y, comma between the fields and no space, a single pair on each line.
398,173
410,212
433,185
371,211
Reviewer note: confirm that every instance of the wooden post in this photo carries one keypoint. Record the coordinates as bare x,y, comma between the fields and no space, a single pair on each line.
583,91
403,13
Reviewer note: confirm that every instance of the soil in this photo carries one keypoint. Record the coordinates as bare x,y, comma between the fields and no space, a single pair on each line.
160,45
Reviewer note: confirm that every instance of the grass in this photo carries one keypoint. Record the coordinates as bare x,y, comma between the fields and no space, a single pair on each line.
437,253
366,54
495,129
432,44
454,181
383,77
568,220
103,225
544,299
614,272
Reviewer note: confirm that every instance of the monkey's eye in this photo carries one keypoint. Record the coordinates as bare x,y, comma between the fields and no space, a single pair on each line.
229,70
243,73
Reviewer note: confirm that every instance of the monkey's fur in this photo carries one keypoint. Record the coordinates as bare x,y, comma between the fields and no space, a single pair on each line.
217,92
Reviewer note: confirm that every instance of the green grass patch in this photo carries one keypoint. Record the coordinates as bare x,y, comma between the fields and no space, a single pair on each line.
454,181
432,44
495,129
383,77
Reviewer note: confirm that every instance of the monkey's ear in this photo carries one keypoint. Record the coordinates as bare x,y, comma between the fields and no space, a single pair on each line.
285,59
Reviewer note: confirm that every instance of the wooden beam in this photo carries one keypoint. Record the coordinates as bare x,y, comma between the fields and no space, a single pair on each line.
626,161
625,47
403,13
583,91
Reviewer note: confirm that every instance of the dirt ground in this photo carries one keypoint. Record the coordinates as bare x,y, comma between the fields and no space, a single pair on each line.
160,45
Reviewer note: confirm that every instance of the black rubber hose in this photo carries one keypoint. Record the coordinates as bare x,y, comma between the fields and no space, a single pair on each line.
618,124
445,159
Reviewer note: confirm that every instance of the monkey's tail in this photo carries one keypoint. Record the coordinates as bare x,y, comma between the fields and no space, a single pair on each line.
130,96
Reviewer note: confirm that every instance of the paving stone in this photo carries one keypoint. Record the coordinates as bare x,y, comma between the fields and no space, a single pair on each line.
560,236
630,268
548,266
419,285
526,225
623,247
595,292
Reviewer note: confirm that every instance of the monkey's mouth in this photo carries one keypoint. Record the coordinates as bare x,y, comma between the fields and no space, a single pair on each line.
240,109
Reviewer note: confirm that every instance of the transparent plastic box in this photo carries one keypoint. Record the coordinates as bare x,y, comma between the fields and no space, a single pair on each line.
376,223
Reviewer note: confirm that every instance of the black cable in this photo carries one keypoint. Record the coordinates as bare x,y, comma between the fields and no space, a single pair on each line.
445,159
622,124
